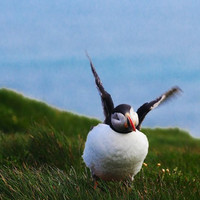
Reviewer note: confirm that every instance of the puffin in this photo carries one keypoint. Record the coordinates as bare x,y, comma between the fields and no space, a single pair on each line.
115,149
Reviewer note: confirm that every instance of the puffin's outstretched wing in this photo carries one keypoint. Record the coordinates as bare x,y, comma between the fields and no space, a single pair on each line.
106,99
145,108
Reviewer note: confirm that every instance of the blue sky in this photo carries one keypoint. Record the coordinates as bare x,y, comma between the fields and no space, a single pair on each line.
40,29
140,49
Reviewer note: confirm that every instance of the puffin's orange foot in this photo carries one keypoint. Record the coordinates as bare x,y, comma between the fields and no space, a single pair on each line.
95,185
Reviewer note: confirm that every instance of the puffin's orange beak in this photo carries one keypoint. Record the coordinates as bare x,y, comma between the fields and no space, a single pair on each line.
131,123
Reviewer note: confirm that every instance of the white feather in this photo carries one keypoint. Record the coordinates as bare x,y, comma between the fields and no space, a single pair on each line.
114,156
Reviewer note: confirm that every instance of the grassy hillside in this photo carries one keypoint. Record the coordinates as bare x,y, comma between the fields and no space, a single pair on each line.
18,114
40,157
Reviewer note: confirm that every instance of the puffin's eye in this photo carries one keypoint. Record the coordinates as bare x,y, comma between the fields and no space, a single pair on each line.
115,116
118,116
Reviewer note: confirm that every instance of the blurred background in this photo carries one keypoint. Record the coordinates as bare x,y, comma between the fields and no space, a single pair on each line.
139,48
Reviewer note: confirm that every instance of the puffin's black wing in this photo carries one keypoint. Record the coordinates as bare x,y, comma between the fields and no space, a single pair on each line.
106,99
145,108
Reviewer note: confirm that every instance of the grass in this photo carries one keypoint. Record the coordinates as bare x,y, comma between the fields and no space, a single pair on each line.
18,114
40,157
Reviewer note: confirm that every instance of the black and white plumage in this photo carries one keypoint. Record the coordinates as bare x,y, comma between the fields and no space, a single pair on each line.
146,107
116,149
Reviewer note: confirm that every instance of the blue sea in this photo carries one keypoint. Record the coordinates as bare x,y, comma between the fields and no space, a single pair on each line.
68,84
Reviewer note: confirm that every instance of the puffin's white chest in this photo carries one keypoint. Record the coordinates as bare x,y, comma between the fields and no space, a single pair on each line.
114,156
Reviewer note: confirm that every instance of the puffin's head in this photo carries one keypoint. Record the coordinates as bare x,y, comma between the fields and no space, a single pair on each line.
124,119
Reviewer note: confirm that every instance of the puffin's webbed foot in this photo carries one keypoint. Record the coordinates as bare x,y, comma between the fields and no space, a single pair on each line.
95,179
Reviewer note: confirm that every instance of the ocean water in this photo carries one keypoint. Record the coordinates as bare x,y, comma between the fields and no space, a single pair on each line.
68,84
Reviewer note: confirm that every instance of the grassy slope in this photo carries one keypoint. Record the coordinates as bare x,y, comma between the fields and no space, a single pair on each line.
18,113
40,157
